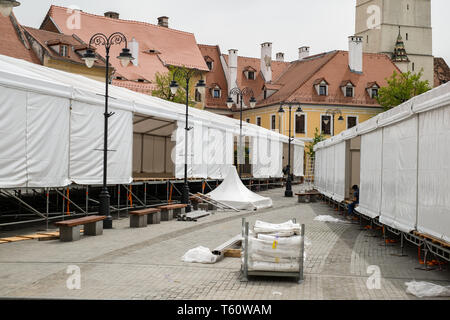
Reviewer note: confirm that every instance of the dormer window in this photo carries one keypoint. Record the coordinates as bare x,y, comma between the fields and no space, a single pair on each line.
321,86
64,51
372,89
209,62
348,89
216,92
250,73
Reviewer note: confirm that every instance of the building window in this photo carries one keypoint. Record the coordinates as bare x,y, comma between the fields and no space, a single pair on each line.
300,124
374,93
247,120
273,124
258,121
265,94
413,67
326,124
64,51
322,90
209,64
198,96
349,91
352,121
407,37
216,93
251,75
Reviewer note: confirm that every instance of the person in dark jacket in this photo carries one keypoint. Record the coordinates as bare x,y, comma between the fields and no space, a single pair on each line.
352,205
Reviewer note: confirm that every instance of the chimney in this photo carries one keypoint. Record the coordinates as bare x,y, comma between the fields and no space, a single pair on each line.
303,52
232,68
163,22
134,48
266,61
355,54
280,56
112,15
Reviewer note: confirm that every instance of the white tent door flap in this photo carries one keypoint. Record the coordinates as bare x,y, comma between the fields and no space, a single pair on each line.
399,193
299,156
86,145
434,173
370,182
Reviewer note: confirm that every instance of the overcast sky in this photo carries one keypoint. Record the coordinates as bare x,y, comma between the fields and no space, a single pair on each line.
244,24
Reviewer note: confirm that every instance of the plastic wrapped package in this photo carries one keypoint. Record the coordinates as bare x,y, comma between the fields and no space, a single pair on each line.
426,289
286,227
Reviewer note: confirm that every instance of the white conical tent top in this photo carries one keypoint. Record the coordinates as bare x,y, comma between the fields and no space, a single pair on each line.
234,193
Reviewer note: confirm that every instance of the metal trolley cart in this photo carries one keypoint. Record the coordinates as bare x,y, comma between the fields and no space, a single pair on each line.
244,266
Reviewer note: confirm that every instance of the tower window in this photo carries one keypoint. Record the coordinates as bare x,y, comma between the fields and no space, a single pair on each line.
413,67
407,37
367,38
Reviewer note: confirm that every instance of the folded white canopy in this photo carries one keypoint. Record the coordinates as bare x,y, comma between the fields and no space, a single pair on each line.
234,193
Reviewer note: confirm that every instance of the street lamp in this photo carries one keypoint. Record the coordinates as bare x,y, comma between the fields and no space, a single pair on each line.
89,58
6,7
240,101
334,112
288,193
186,74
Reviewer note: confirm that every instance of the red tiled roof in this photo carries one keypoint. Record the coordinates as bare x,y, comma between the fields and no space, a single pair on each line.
441,72
175,47
299,79
47,39
11,44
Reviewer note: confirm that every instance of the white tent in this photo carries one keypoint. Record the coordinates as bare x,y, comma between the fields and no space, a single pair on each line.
234,193
405,172
51,124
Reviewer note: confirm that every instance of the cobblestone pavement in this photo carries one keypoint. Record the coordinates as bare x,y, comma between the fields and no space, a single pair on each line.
146,263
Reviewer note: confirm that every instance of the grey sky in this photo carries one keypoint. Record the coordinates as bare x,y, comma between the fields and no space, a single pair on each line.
244,24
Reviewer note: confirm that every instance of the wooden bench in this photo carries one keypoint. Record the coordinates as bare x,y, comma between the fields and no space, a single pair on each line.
170,211
70,230
141,218
306,197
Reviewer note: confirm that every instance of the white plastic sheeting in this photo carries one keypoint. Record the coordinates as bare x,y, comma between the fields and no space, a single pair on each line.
405,171
370,177
234,193
329,185
434,173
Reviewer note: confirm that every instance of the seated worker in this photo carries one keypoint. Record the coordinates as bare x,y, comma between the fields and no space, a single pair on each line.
352,205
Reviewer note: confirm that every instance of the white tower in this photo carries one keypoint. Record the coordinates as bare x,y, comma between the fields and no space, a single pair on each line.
378,23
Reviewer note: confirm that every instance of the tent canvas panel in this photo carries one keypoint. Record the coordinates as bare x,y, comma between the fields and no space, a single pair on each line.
370,182
398,208
299,153
434,173
47,140
339,171
13,159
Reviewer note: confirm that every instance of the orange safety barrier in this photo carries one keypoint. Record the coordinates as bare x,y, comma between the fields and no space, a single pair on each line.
130,196
68,202
203,186
170,194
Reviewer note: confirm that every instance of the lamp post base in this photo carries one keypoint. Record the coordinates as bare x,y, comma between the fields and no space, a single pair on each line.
185,198
288,194
104,209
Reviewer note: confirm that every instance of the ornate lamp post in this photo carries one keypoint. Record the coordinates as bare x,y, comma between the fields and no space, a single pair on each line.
288,193
89,58
186,74
334,112
6,7
240,101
